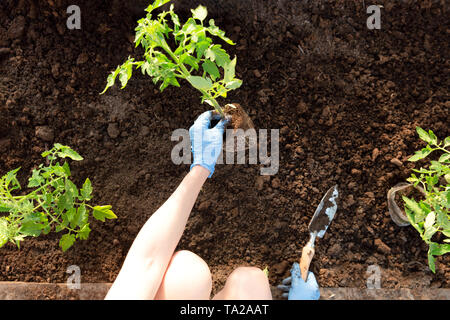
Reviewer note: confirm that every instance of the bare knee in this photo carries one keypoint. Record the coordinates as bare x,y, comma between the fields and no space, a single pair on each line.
187,277
246,283
191,262
246,275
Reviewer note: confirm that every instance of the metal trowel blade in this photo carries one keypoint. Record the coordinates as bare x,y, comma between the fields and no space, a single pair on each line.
324,213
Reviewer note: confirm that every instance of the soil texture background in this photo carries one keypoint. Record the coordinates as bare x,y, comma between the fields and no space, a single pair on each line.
346,100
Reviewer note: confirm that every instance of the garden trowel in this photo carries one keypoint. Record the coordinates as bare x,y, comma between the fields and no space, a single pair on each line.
318,226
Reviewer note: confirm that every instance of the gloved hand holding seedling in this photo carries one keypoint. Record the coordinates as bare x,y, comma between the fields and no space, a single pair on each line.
55,203
194,58
206,141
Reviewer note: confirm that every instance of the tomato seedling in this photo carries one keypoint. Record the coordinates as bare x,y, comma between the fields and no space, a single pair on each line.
430,216
194,57
55,203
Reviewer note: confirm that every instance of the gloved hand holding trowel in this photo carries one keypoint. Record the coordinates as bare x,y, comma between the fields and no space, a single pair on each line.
302,284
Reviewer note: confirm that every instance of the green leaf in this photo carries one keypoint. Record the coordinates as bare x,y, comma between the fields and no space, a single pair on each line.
230,70
86,190
68,152
124,76
60,227
190,60
36,179
156,4
447,142
111,79
58,184
65,202
217,54
179,50
175,20
424,171
221,57
424,135
200,83
444,158
431,262
189,27
35,217
66,169
430,220
425,207
169,81
431,181
420,154
436,166
3,231
433,137
46,229
66,241
56,169
419,214
102,212
31,228
209,54
201,47
234,84
211,68
437,249
48,199
71,189
70,216
5,207
174,82
411,218
80,218
11,178
146,68
200,13
65,222
429,233
83,234
26,206
214,30
109,83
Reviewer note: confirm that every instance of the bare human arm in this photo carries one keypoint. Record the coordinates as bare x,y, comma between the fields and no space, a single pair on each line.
147,260
155,243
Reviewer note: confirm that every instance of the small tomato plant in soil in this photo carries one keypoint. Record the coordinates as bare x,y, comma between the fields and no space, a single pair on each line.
55,204
173,51
430,216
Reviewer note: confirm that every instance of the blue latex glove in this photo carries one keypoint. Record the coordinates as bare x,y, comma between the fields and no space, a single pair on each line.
295,288
206,142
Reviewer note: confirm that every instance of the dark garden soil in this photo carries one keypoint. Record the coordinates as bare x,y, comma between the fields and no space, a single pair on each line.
346,100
